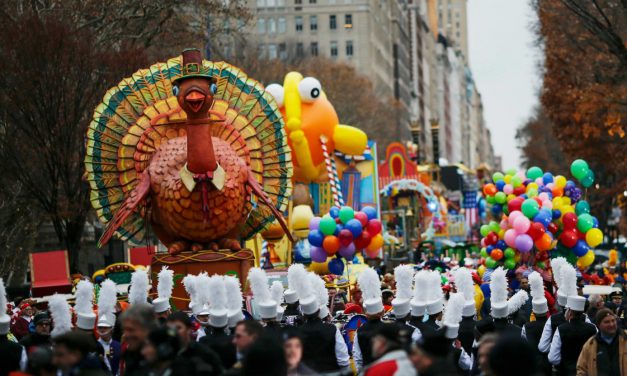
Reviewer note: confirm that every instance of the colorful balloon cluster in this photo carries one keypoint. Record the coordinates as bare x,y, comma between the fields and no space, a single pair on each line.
341,233
539,214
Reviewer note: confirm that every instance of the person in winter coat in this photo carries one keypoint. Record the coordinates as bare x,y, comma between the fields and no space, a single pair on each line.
606,352
391,358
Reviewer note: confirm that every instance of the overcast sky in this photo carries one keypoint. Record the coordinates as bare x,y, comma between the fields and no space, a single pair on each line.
503,61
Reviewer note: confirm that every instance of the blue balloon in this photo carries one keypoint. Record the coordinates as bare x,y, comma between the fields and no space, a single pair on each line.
570,184
334,212
544,216
501,244
547,178
338,227
336,266
315,238
356,260
354,226
496,208
489,248
370,212
581,248
499,185
595,222
557,213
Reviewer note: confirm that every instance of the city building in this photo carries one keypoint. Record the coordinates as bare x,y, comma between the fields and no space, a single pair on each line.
453,24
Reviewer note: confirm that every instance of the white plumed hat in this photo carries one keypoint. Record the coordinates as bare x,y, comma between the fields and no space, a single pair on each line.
465,285
261,293
164,290
61,315
538,300
294,272
419,300
276,292
84,307
435,297
404,275
234,300
218,313
498,294
107,299
138,293
453,315
371,291
517,301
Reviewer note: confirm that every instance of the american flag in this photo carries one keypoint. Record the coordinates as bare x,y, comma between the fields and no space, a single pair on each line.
471,208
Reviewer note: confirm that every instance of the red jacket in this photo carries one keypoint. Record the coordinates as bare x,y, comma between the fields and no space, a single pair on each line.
20,327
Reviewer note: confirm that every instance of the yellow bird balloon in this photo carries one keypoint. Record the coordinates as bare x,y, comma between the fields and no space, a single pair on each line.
309,118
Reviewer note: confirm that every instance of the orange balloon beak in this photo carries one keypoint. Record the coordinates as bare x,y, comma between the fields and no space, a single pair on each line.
195,100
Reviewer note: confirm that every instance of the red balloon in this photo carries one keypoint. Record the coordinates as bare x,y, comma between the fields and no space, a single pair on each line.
581,235
519,191
374,227
362,240
553,228
362,218
346,237
538,201
570,221
492,238
331,244
515,204
569,238
536,230
496,254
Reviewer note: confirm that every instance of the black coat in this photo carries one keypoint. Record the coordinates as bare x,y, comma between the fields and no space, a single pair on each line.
319,346
221,344
199,360
10,355
35,340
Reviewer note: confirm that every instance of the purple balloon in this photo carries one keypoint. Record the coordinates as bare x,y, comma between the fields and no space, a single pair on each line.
318,254
524,243
314,223
348,252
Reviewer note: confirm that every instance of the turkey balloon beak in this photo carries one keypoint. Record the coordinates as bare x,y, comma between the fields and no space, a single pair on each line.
195,100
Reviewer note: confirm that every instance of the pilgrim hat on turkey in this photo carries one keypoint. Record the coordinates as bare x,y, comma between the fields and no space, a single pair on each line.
192,66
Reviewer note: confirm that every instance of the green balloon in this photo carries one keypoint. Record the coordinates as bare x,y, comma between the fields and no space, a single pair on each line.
530,208
582,207
490,262
534,172
346,214
490,199
510,264
327,225
516,181
500,197
484,253
585,222
495,227
532,192
579,168
511,171
497,176
509,253
540,264
485,230
588,180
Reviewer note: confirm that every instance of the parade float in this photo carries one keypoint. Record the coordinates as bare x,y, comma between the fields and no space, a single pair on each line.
538,216
195,152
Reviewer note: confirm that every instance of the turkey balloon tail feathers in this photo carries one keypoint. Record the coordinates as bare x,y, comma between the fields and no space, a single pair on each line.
277,214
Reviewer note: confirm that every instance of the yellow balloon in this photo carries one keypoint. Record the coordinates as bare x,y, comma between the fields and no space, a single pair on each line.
586,260
481,269
507,179
320,267
532,186
375,243
565,200
501,234
560,181
567,209
594,237
510,197
517,258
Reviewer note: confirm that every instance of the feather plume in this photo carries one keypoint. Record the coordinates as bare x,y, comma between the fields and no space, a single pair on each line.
322,294
233,293
568,276
556,265
517,301
370,285
107,298
84,297
3,298
259,284
453,310
498,286
434,286
420,286
295,273
189,282
300,282
403,274
276,291
537,286
464,283
202,288
217,292
61,315
166,283
139,287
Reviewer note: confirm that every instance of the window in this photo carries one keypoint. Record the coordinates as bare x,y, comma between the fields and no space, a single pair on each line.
349,48
280,3
262,51
271,26
261,25
282,51
270,3
282,25
333,49
348,21
332,22
313,23
261,3
300,50
299,23
314,49
312,1
272,51
298,1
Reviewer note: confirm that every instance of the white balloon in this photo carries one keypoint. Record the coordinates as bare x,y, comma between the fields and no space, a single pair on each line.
277,92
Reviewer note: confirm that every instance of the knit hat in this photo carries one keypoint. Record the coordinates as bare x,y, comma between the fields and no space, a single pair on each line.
404,275
261,293
85,316
218,314
453,315
435,297
276,291
233,300
164,290
576,303
419,300
61,315
293,272
371,291
538,301
465,286
498,294
5,320
138,294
